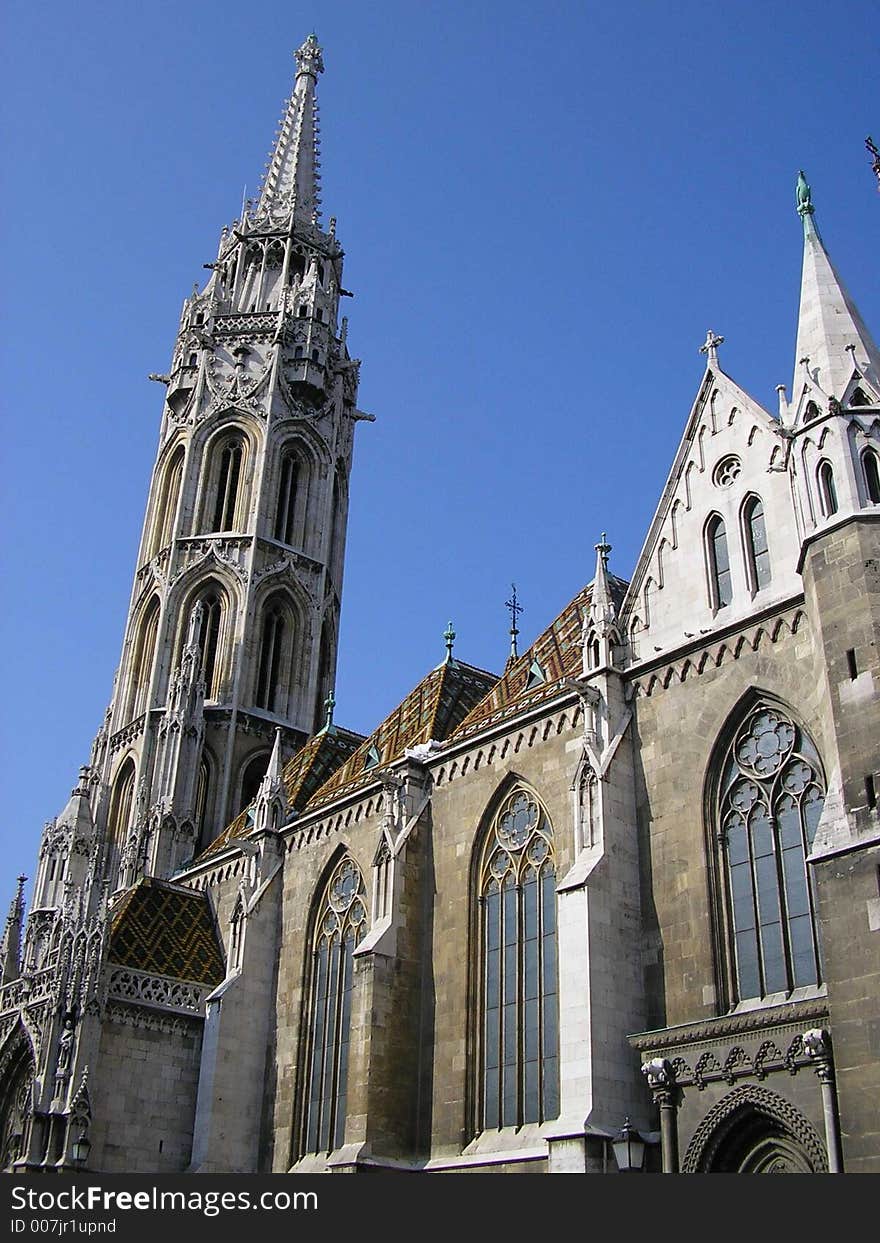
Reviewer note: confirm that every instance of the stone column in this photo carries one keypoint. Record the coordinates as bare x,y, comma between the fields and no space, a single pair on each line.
660,1078
817,1046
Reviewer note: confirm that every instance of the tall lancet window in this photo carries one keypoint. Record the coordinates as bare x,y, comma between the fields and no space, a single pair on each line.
871,469
518,1021
769,801
270,658
209,641
757,548
827,489
119,816
285,511
230,461
166,510
340,922
720,583
142,663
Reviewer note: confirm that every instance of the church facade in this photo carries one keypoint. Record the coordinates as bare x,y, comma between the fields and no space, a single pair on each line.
632,882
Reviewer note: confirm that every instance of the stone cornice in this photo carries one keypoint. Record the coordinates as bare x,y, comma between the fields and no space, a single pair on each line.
807,1012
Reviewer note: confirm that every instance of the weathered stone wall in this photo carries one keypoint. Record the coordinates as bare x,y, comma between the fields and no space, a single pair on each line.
144,1098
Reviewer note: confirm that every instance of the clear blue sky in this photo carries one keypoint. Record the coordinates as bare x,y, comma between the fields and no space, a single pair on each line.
544,208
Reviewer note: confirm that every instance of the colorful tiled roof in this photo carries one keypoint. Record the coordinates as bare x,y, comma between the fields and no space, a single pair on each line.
316,760
166,930
538,674
434,709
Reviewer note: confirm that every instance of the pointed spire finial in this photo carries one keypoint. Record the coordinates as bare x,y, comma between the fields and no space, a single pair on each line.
449,636
329,705
309,57
804,196
710,349
603,548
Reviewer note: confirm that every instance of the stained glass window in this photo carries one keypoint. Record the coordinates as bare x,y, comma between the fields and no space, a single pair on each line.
340,923
518,1027
721,589
770,801
757,549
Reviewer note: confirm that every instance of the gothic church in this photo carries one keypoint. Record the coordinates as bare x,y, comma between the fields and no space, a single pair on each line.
628,887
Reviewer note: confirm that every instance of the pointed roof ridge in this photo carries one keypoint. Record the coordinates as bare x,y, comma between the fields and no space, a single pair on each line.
559,653
831,334
292,180
433,709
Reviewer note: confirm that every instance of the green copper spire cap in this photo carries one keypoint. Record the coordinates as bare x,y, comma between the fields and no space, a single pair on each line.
805,209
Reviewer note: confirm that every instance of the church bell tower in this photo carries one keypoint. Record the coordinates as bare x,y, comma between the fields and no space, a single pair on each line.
232,628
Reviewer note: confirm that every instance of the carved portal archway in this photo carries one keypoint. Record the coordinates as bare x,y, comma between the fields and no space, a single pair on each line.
755,1131
16,1099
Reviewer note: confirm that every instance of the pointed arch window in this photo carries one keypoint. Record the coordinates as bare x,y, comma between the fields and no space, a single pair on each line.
518,1021
169,496
142,665
210,641
720,582
340,923
871,471
770,798
271,644
757,548
285,511
255,771
230,455
119,816
827,489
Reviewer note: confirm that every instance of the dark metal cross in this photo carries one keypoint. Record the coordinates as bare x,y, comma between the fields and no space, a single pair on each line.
515,609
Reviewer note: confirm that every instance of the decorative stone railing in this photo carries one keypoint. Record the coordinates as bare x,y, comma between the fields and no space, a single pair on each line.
160,992
27,989
258,323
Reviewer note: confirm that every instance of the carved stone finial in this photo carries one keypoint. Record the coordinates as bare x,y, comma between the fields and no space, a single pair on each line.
309,57
710,348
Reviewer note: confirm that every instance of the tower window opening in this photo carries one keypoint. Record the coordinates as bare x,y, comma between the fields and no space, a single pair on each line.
228,480
757,549
315,356
253,775
720,582
200,318
297,266
859,399
298,352
827,489
209,642
871,471
851,663
321,273
272,640
286,508
303,311
193,360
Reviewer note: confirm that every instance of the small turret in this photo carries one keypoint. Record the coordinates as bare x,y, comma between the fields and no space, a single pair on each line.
10,946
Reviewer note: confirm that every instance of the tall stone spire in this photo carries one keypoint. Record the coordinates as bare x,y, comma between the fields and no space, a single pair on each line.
292,180
10,946
831,334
